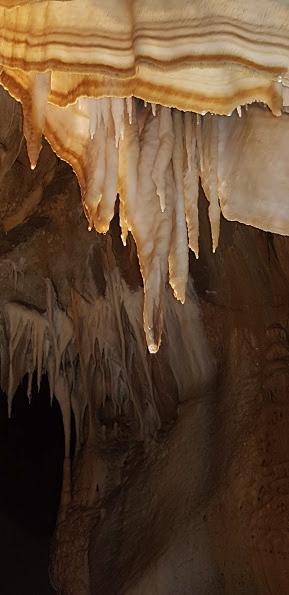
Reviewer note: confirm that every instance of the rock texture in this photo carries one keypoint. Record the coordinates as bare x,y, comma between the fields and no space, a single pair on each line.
201,506
86,88
179,482
192,55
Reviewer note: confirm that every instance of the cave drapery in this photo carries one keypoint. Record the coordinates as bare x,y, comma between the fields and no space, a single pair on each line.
146,101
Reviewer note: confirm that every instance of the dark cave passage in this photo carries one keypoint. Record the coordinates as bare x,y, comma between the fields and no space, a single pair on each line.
31,457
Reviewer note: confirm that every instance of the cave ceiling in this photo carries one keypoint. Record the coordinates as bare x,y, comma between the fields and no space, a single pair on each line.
144,99
131,133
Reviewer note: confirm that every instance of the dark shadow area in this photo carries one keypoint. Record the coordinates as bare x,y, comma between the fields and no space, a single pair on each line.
31,457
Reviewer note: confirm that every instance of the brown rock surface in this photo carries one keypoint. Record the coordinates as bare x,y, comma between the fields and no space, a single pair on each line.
179,482
202,507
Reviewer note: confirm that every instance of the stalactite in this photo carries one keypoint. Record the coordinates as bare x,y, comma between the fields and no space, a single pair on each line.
26,330
164,154
191,183
96,358
105,209
34,114
36,342
82,108
96,168
152,230
128,171
148,154
179,257
209,172
92,113
214,208
152,156
129,108
61,328
117,109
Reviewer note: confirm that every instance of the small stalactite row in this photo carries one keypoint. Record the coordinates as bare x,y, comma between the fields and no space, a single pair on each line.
93,354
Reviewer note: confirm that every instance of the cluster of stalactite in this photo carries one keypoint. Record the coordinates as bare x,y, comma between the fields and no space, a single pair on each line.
196,63
95,354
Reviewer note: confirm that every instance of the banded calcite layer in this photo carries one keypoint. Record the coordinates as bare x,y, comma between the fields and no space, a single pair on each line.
192,55
136,97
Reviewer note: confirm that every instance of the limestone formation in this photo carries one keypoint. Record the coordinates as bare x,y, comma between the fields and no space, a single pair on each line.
158,106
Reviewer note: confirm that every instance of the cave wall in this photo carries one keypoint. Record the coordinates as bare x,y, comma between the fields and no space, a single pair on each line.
202,505
179,479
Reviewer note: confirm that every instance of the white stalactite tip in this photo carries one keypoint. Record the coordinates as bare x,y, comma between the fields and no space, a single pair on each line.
153,348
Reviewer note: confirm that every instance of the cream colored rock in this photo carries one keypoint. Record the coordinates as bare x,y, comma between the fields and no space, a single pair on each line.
194,56
253,180
82,87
